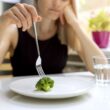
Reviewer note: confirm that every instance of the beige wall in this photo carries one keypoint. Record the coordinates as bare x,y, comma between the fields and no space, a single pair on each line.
93,4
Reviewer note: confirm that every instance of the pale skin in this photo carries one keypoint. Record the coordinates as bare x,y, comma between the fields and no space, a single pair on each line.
22,16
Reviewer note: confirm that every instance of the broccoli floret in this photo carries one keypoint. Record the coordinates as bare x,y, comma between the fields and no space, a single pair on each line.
44,84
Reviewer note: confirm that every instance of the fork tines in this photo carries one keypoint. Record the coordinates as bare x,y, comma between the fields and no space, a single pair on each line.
40,70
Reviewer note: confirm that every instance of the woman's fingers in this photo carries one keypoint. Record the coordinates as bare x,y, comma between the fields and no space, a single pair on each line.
22,15
69,15
74,6
26,14
33,13
14,20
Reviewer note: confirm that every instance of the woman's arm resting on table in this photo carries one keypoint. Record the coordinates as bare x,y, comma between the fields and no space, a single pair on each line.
85,47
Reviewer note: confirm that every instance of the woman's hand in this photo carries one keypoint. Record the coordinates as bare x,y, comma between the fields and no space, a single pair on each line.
70,17
73,7
22,15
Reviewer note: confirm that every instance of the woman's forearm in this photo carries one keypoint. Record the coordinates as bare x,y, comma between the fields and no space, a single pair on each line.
83,37
88,47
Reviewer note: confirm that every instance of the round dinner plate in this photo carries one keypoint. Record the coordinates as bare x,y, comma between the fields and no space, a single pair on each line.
64,87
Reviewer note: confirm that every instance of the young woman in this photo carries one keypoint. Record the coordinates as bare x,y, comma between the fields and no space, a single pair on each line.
57,28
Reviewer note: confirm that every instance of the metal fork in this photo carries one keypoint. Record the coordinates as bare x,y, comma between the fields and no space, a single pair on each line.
38,61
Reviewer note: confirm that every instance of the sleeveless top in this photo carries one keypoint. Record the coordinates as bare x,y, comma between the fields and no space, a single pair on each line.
53,54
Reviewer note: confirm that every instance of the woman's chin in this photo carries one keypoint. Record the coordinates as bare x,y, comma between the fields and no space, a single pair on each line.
54,17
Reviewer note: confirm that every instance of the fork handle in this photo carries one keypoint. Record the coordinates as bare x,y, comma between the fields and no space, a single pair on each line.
36,38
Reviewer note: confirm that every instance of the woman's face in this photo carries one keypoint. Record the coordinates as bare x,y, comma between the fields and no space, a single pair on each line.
51,9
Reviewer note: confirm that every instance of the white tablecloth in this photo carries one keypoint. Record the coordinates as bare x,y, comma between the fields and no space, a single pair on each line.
98,98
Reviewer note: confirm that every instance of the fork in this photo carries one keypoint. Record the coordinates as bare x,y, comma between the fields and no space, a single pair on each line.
38,61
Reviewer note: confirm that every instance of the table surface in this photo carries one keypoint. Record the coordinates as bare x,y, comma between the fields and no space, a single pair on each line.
98,98
5,76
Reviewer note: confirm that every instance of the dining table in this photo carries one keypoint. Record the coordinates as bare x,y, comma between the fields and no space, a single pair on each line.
96,98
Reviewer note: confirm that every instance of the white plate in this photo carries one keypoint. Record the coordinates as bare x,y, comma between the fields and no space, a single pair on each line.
64,87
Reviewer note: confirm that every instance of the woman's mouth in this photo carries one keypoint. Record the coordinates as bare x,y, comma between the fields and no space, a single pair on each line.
55,11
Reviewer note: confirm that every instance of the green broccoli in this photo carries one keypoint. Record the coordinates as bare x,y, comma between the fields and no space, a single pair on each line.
44,84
